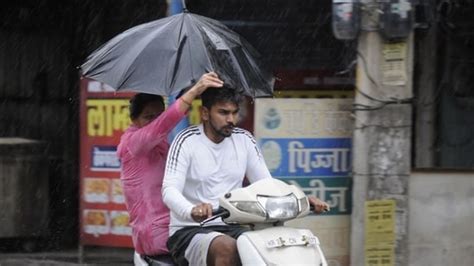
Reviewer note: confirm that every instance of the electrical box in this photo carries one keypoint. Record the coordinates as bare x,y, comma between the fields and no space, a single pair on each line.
397,18
345,19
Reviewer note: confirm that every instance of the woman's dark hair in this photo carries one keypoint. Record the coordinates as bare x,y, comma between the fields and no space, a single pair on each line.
212,96
140,100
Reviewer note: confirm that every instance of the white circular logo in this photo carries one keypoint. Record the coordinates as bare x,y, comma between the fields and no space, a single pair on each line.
272,153
271,119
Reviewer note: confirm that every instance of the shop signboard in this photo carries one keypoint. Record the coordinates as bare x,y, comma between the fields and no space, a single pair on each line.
307,142
104,116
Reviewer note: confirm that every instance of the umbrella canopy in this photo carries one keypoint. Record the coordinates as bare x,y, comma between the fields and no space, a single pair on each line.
168,55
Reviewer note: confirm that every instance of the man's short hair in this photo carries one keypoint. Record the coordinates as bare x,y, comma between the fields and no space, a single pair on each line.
140,100
211,96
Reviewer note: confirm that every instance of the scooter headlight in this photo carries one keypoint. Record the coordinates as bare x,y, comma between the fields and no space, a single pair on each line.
304,205
280,208
249,206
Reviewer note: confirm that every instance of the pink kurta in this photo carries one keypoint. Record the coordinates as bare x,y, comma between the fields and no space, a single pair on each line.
143,152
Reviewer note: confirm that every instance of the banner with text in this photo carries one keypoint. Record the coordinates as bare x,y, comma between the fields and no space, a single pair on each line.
308,143
104,116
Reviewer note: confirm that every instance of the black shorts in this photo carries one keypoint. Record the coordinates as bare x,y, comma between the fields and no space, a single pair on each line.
180,240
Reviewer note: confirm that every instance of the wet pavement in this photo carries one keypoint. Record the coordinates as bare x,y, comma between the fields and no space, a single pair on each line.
89,256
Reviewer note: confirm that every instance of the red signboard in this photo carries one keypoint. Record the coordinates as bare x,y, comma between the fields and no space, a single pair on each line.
104,116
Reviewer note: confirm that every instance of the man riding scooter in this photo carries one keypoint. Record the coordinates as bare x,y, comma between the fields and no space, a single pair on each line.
204,162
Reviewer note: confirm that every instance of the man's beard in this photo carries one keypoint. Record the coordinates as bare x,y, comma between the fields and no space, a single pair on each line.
225,131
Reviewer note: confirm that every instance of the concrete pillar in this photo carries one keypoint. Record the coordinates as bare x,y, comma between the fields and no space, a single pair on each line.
382,137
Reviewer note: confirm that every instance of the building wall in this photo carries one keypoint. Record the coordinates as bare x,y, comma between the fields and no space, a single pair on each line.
41,45
292,35
441,201
38,102
441,218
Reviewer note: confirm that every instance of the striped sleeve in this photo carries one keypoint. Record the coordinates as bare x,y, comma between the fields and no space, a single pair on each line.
256,167
177,165
177,145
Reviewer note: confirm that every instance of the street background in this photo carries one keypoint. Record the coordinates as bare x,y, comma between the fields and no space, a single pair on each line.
407,75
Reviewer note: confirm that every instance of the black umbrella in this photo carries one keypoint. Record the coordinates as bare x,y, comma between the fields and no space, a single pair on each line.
170,54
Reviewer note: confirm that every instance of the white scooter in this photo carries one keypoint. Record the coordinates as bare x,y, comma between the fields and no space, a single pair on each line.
265,206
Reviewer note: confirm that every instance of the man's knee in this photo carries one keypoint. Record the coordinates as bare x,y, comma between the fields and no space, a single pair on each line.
223,250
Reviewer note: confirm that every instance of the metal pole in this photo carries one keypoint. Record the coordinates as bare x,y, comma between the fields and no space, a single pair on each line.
176,7
80,254
183,2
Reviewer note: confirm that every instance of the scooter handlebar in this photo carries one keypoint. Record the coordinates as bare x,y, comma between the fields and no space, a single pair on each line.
312,209
219,212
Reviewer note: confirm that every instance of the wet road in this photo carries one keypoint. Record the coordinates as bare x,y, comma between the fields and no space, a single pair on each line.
90,257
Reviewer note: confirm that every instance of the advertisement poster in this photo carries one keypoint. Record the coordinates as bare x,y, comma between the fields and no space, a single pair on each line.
307,142
104,116
394,64
380,232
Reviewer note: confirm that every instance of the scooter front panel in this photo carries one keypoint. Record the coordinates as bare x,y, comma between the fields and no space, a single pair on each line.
294,247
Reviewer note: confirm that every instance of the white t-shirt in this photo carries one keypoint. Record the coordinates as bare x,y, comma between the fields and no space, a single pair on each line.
200,171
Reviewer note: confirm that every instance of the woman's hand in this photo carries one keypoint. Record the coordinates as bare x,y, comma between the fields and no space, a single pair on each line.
208,80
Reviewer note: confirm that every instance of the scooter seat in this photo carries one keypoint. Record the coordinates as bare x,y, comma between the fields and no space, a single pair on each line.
144,260
159,260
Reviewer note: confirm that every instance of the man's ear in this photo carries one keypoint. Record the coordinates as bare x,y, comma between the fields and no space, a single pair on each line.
204,113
